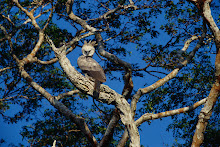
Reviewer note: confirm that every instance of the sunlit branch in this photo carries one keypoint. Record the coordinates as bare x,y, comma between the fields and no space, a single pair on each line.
170,76
34,23
206,112
76,19
208,16
39,3
54,60
36,17
80,122
187,43
3,69
106,95
30,15
54,143
8,19
49,18
150,116
69,93
131,2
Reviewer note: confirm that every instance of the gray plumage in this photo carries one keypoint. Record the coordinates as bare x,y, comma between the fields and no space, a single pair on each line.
89,66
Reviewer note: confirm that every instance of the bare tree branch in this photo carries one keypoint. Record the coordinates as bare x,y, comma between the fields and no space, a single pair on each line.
34,23
76,19
3,69
8,18
69,93
171,75
150,116
29,14
206,112
110,129
79,121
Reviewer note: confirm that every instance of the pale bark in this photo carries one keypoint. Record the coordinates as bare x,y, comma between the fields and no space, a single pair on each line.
106,95
151,116
171,75
206,112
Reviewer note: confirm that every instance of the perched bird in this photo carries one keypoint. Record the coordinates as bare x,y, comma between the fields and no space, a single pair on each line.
91,67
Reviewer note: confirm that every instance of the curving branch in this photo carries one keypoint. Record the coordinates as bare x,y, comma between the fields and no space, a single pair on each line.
3,69
170,76
206,112
79,121
161,82
34,23
29,14
69,93
150,116
76,19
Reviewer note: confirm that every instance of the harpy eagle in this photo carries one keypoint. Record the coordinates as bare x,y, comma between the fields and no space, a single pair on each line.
89,66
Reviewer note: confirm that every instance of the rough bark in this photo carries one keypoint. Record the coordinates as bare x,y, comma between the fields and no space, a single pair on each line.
106,95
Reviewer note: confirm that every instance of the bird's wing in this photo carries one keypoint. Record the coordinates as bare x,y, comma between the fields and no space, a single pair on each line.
92,68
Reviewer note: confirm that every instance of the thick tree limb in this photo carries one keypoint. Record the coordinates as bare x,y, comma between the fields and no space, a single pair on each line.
205,115
106,94
150,116
161,82
127,78
206,112
58,105
79,121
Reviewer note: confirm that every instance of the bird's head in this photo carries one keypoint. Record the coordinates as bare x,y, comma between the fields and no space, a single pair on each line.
88,48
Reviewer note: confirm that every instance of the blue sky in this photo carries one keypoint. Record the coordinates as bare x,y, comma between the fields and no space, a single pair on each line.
153,135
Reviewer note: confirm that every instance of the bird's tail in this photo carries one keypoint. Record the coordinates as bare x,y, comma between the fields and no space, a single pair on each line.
97,86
